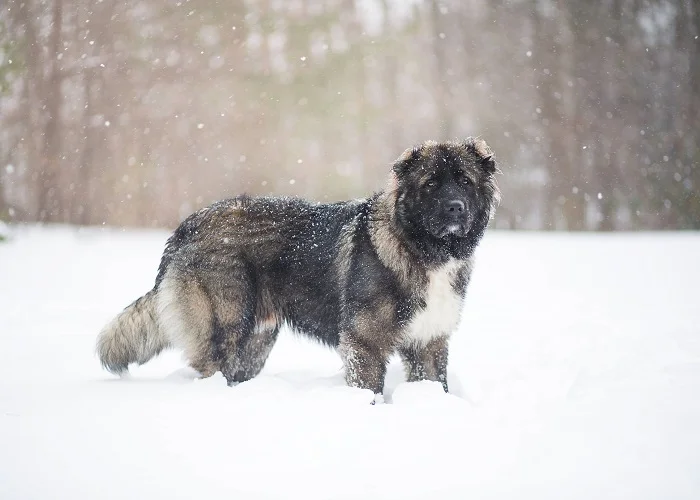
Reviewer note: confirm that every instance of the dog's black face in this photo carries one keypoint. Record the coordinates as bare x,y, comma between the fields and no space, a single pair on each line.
447,198
446,191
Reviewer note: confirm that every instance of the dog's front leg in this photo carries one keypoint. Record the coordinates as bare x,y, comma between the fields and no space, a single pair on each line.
426,361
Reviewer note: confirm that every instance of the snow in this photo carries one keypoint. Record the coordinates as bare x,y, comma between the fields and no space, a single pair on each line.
575,374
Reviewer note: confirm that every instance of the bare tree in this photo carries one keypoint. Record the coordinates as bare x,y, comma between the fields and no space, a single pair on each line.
50,200
565,201
439,51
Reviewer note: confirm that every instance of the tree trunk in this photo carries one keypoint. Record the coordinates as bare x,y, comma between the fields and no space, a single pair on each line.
586,71
695,79
391,69
50,201
85,173
564,197
30,101
439,46
694,123
607,167
3,203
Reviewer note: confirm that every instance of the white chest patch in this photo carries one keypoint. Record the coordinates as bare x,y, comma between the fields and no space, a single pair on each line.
443,307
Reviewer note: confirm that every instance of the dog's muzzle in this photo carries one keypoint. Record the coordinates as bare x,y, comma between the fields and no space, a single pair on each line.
455,219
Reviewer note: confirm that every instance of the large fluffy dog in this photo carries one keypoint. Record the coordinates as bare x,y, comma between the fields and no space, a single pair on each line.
369,277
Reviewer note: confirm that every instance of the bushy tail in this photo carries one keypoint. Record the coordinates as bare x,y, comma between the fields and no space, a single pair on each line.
132,337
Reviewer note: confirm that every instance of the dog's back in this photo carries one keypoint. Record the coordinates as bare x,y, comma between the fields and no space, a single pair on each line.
230,276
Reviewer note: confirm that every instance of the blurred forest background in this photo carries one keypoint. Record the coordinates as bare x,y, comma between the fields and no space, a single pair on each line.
137,112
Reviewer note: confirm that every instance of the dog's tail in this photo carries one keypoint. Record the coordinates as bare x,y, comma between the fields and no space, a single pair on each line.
132,337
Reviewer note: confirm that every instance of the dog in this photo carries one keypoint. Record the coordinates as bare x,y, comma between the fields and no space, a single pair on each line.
369,278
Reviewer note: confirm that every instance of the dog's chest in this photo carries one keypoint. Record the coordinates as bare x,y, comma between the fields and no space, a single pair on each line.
443,306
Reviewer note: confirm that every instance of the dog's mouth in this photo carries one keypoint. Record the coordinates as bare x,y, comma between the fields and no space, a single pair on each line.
452,229
447,229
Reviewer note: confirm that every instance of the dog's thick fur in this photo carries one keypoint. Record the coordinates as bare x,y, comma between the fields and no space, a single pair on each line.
369,277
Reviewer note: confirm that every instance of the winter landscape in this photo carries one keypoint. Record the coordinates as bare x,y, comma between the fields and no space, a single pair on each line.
575,370
575,374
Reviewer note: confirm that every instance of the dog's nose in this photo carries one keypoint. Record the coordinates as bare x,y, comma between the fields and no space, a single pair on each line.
454,207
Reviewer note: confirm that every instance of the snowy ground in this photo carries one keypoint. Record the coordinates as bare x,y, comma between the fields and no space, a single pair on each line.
576,373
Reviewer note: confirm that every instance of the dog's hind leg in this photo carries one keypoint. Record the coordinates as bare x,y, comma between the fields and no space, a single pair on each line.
204,365
254,352
185,315
233,298
229,342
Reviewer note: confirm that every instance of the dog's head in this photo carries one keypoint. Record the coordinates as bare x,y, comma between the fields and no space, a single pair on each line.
446,190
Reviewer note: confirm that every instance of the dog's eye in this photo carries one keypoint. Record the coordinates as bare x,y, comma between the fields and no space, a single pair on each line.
466,180
431,183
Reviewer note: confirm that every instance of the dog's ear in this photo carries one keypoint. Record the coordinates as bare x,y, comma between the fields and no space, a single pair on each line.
489,164
404,162
483,152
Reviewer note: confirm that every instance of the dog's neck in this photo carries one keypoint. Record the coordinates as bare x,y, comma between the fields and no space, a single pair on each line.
387,238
